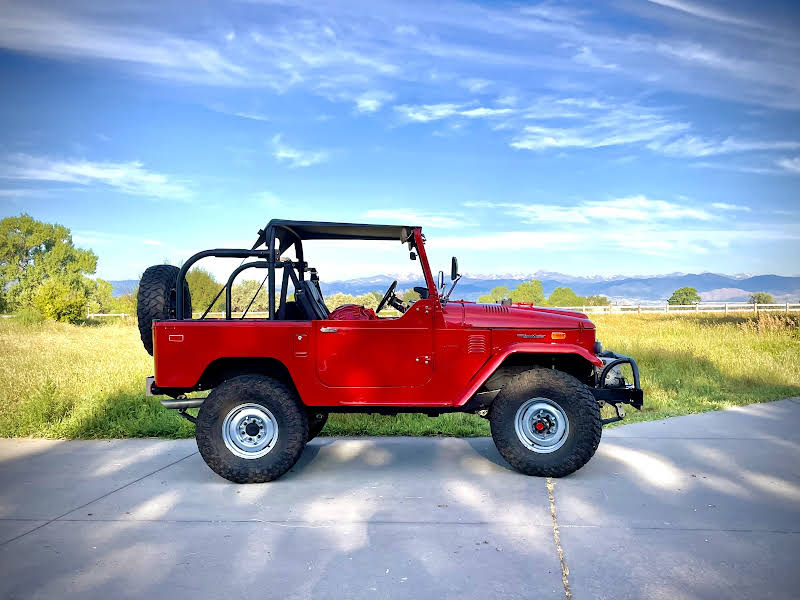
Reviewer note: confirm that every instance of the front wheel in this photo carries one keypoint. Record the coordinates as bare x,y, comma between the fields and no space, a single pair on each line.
251,429
546,423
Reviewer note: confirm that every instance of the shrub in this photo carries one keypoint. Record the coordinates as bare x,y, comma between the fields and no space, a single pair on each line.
28,316
59,301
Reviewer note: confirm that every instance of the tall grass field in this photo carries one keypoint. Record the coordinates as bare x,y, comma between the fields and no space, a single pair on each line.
87,381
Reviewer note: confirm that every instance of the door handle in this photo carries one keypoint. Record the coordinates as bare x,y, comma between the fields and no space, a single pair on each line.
328,330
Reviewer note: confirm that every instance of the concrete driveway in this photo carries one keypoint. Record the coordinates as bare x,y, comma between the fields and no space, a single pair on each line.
706,506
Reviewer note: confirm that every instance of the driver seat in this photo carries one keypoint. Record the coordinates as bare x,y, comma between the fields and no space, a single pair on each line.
311,300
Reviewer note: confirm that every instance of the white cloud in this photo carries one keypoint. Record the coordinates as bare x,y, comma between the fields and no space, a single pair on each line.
251,116
608,128
790,164
586,57
296,157
370,102
698,147
638,208
475,85
706,12
413,217
436,112
727,166
732,207
481,112
128,177
427,112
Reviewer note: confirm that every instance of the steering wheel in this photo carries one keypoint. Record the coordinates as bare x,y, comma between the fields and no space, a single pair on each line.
387,297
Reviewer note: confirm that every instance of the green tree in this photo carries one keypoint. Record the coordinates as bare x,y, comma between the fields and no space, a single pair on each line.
100,299
564,296
529,291
762,298
204,288
496,294
684,295
243,292
409,297
126,304
41,267
596,301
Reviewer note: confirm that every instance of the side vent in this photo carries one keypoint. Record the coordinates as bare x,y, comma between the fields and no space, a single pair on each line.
476,344
495,308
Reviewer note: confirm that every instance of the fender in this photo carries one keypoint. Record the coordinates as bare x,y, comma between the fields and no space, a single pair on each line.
489,367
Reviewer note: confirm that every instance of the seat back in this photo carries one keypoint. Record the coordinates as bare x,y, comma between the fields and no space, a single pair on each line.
311,300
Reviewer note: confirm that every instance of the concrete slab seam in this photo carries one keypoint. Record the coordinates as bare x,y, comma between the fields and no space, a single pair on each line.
557,538
106,495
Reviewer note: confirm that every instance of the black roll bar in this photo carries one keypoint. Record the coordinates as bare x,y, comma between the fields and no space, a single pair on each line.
229,285
217,253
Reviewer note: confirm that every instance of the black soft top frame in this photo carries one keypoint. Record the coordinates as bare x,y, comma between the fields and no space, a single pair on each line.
277,237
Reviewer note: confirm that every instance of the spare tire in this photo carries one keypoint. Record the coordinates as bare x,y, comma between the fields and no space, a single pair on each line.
157,300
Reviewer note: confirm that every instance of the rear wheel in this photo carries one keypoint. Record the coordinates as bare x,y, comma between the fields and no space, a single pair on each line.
545,422
251,429
156,300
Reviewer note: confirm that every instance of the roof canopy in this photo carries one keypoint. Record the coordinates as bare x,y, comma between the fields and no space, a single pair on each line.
316,230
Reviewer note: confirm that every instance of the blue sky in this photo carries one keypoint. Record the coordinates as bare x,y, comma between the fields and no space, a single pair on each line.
628,137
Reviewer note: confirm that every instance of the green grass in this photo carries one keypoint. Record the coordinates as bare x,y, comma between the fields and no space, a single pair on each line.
67,381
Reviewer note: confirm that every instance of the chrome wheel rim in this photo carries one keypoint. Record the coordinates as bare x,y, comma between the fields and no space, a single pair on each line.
541,425
250,431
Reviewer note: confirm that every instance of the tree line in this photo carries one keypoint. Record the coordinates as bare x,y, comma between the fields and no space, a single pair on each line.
532,292
44,275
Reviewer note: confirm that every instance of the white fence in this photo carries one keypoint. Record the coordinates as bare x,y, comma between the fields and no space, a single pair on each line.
702,307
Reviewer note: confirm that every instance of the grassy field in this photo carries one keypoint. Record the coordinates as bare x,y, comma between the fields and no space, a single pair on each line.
69,381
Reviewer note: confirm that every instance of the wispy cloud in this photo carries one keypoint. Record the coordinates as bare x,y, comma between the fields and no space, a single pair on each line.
434,112
707,12
414,217
296,157
597,125
475,85
636,208
790,164
372,101
732,207
698,147
128,177
586,57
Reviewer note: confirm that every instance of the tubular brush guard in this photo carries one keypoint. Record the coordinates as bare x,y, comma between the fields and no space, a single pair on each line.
629,394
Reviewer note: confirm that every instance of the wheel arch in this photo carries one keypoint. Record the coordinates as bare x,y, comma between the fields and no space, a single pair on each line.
228,367
501,368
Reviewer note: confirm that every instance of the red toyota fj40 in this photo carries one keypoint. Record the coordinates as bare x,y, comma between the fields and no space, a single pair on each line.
537,374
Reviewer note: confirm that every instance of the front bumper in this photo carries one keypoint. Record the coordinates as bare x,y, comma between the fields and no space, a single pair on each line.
626,394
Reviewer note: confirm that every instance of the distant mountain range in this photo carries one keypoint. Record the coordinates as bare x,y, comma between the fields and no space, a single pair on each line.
712,286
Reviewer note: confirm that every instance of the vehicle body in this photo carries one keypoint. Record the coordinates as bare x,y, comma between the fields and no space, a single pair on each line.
438,356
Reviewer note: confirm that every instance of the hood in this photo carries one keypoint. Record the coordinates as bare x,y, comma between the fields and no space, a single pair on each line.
518,317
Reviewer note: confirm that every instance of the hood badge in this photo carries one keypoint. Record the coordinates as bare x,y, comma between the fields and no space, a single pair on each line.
530,336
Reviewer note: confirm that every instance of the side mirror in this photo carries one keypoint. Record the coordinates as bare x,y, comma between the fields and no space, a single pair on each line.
440,282
454,269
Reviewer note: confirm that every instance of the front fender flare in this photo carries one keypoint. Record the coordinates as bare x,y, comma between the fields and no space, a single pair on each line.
489,367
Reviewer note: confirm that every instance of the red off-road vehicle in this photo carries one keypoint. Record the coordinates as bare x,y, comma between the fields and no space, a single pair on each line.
537,374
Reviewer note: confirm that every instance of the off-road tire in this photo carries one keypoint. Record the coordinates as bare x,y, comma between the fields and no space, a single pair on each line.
576,401
156,300
280,400
316,421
